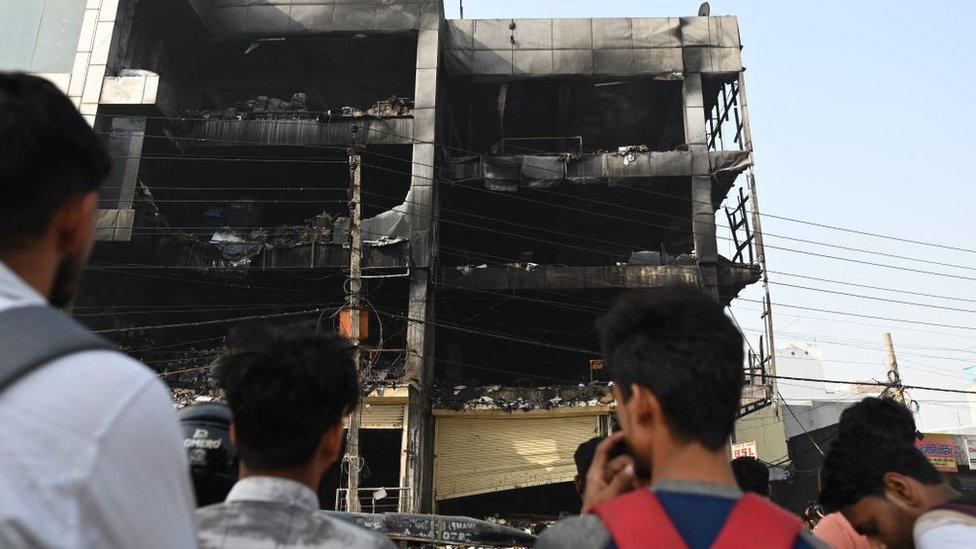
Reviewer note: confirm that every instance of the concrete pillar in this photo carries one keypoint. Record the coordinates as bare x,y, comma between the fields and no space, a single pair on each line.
124,140
419,431
702,212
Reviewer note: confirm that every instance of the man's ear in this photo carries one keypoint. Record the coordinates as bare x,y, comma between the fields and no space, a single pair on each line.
331,444
644,405
74,223
232,431
902,490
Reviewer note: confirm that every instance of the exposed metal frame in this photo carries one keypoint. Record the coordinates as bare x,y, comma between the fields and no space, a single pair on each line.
726,110
739,221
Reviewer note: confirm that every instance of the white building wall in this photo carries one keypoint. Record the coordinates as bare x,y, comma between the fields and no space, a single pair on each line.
801,359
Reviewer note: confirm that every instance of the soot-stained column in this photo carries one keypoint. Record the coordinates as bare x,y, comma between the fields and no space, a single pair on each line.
702,213
419,431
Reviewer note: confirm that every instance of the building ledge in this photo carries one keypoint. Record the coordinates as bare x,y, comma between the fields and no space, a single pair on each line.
546,277
298,132
489,400
508,173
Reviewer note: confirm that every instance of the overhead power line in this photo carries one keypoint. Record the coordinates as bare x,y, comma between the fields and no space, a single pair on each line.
875,317
410,139
688,231
784,218
208,322
875,384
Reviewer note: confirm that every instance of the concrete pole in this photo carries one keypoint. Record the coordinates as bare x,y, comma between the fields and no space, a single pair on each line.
757,236
758,233
893,375
355,286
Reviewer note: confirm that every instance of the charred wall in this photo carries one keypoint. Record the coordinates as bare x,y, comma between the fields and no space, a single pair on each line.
546,114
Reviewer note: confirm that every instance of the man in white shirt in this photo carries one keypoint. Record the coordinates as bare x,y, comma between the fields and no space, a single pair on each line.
885,487
288,393
951,524
91,453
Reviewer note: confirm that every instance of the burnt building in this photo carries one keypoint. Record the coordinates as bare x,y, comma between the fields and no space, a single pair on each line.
517,174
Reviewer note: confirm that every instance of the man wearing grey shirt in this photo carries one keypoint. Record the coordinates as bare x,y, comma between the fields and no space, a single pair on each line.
676,363
288,393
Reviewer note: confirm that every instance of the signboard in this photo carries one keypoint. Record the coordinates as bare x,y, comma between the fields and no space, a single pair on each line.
940,450
970,444
744,449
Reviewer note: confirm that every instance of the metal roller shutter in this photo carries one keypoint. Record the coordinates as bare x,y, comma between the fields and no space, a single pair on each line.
477,455
381,416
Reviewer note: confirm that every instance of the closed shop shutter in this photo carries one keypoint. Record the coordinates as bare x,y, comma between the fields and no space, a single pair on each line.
477,455
381,416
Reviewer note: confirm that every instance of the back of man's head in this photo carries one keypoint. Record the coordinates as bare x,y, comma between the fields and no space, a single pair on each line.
677,343
751,475
48,155
285,389
583,456
857,465
881,417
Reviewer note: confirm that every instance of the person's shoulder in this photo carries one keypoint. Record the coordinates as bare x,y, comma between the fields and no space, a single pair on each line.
577,531
945,527
117,384
85,392
352,535
107,363
210,511
104,374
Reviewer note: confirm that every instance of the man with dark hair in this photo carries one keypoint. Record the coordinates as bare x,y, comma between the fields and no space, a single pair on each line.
676,362
885,417
583,457
92,454
751,475
289,392
884,485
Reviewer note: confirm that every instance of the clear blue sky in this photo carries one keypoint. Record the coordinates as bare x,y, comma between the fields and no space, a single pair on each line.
861,112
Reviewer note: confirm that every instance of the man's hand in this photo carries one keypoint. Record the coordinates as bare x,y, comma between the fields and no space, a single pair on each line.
608,478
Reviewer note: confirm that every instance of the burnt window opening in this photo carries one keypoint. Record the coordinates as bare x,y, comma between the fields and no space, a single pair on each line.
334,70
380,450
563,320
200,189
573,225
127,298
723,103
564,115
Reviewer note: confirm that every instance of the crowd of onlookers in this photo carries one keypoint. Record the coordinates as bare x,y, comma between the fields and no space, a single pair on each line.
93,455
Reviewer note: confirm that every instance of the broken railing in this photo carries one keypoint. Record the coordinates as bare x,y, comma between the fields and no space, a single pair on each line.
742,235
384,499
758,391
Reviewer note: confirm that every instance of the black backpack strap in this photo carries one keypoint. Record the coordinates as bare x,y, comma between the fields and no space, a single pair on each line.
33,336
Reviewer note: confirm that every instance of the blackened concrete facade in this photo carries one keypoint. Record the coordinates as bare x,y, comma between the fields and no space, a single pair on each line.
518,173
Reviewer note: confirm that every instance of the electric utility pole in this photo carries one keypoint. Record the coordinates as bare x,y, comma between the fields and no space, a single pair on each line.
767,314
354,302
893,376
